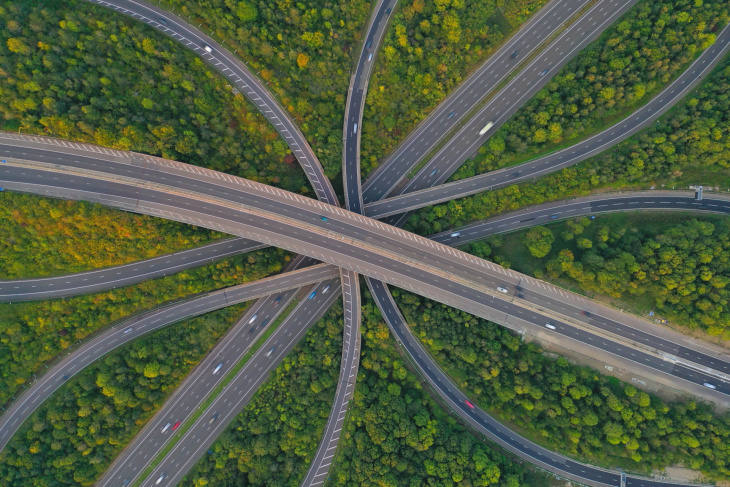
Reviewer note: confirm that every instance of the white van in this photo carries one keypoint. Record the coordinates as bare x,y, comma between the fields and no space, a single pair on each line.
217,368
253,318
549,326
354,129
165,428
455,234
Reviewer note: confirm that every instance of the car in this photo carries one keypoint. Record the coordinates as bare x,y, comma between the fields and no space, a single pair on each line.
213,418
177,425
265,322
207,48
553,217
276,303
514,54
268,354
468,403
160,479
4,161
65,377
311,296
217,368
323,218
126,482
163,20
709,386
128,330
549,326
586,313
544,72
455,235
502,290
165,428
326,288
251,330
593,217
434,172
354,129
210,452
451,115
367,46
253,318
516,174
370,56
390,9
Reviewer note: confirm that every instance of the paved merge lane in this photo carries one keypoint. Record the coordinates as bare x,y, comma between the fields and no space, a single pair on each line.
640,119
137,326
460,102
239,75
123,275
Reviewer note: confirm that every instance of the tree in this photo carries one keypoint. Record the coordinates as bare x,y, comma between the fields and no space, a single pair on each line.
539,241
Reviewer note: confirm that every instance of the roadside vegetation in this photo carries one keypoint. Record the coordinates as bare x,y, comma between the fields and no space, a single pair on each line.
273,440
32,333
43,236
83,72
567,408
635,59
303,50
398,436
673,264
75,435
430,48
693,137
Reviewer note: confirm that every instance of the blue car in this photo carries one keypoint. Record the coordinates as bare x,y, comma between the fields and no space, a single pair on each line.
324,218
311,296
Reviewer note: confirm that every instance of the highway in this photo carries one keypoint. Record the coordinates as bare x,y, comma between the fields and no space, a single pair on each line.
235,71
124,275
640,119
487,425
452,110
379,251
130,329
323,458
588,205
202,434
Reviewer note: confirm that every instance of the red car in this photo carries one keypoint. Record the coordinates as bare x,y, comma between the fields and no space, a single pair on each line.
469,404
177,425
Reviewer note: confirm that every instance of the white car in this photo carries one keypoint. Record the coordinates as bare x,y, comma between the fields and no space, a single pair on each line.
455,234
502,290
162,477
128,330
268,354
549,326
207,48
326,288
217,368
253,318
165,428
710,386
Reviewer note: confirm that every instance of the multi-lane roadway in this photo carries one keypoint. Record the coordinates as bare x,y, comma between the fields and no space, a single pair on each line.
124,275
418,196
142,324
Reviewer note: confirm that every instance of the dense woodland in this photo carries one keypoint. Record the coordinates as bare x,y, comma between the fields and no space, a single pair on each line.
681,270
74,436
694,136
570,409
83,72
632,61
32,333
429,49
397,436
304,50
275,437
43,236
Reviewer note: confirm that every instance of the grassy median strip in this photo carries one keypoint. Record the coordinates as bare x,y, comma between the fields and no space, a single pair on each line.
211,397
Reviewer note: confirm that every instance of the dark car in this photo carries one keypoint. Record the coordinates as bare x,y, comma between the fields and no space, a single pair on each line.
514,54
163,20
544,72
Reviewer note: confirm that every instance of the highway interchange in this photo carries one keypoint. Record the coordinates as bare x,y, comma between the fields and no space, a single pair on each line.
559,464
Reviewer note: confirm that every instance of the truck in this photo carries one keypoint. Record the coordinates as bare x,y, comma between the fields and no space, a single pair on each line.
486,127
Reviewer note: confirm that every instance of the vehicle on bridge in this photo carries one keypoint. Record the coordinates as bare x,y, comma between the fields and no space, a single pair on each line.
486,127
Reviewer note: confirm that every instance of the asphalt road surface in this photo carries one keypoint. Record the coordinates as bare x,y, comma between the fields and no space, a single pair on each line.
487,425
323,458
449,277
445,117
640,119
124,275
142,324
239,75
195,442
